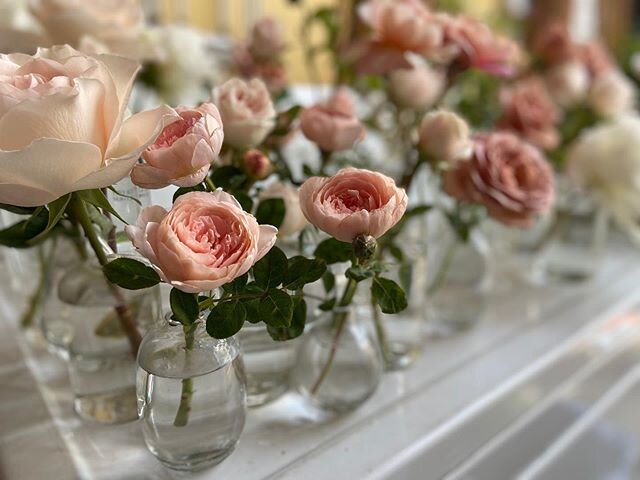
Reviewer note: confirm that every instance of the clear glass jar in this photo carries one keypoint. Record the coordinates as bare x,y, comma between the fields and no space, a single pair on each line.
85,326
456,275
338,365
191,395
268,363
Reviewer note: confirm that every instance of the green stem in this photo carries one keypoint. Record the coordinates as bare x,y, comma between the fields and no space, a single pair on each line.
36,299
339,321
325,159
184,409
209,184
78,210
381,333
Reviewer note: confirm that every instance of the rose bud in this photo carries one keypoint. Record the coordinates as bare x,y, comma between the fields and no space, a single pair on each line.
256,164
246,110
568,83
611,94
507,175
205,241
294,220
184,151
444,136
418,88
353,202
267,39
333,126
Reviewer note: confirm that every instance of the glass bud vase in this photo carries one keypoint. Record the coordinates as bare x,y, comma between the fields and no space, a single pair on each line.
338,364
99,359
191,395
456,273
268,364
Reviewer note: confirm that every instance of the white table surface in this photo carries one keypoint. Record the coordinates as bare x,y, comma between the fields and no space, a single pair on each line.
430,415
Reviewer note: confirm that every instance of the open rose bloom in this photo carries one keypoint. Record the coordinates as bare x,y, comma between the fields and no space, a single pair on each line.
353,202
205,241
508,176
184,151
63,125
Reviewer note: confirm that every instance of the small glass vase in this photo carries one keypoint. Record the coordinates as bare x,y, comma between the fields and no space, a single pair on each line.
88,333
338,364
191,395
268,363
456,276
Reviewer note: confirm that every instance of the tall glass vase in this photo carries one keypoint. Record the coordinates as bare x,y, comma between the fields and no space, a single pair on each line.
82,314
456,276
338,364
191,395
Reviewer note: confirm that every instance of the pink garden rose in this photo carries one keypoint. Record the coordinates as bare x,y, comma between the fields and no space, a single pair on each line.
184,151
205,241
63,125
333,125
398,27
353,202
529,111
247,111
595,56
508,176
471,44
267,39
554,44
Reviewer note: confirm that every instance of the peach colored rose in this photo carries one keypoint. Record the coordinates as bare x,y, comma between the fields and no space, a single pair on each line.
271,71
353,202
444,136
117,24
62,125
184,151
333,125
471,44
294,220
405,25
247,111
529,111
612,94
267,39
205,241
508,176
568,83
418,88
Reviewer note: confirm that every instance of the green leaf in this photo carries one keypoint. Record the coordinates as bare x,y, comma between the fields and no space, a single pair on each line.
130,274
184,306
271,211
396,252
182,190
276,308
334,251
244,200
327,305
388,295
98,199
359,273
22,234
56,211
124,195
226,319
228,177
405,276
252,306
237,285
103,223
297,323
328,281
302,270
271,269
18,210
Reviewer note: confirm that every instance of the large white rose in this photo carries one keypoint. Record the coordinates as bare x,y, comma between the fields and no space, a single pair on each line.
612,93
116,24
62,126
606,162
247,111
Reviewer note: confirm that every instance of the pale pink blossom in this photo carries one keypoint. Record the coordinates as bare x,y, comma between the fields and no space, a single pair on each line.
353,202
205,241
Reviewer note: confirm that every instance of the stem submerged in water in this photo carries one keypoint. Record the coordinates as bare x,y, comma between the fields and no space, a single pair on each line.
184,409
